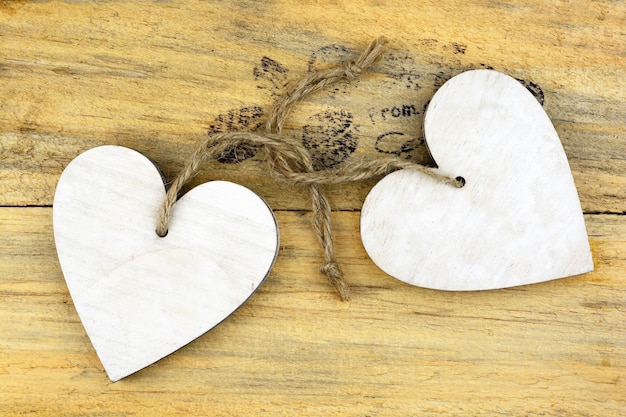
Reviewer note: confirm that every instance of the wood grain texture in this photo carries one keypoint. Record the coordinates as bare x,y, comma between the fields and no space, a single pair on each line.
157,77
555,348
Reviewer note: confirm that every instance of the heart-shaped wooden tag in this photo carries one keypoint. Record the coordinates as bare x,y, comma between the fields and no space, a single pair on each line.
141,296
516,221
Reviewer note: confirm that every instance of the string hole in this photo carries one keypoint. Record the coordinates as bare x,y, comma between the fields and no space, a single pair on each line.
460,181
163,235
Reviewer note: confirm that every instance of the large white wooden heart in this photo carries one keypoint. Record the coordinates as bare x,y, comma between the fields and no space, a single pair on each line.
141,296
516,221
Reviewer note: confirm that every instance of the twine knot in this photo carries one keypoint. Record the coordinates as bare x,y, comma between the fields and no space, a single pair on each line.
289,161
335,277
352,70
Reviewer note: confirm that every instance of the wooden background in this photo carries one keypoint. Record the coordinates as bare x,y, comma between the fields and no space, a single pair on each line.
158,76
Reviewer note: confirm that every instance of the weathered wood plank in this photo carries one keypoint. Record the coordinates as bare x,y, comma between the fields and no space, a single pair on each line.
157,77
556,348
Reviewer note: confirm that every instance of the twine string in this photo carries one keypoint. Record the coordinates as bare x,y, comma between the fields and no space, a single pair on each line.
321,209
291,163
317,80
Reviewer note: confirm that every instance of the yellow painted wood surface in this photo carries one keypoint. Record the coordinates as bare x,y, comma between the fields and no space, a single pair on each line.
158,76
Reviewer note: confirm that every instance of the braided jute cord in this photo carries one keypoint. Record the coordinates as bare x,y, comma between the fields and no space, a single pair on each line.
291,163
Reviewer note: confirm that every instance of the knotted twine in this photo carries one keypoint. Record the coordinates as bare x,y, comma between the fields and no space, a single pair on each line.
291,163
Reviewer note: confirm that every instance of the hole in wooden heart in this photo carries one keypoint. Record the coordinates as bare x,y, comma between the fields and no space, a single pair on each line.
163,235
460,181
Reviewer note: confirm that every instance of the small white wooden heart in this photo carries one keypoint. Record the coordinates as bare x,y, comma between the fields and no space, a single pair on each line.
141,296
516,221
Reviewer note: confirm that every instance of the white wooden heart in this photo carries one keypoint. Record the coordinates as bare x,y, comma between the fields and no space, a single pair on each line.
516,221
141,297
